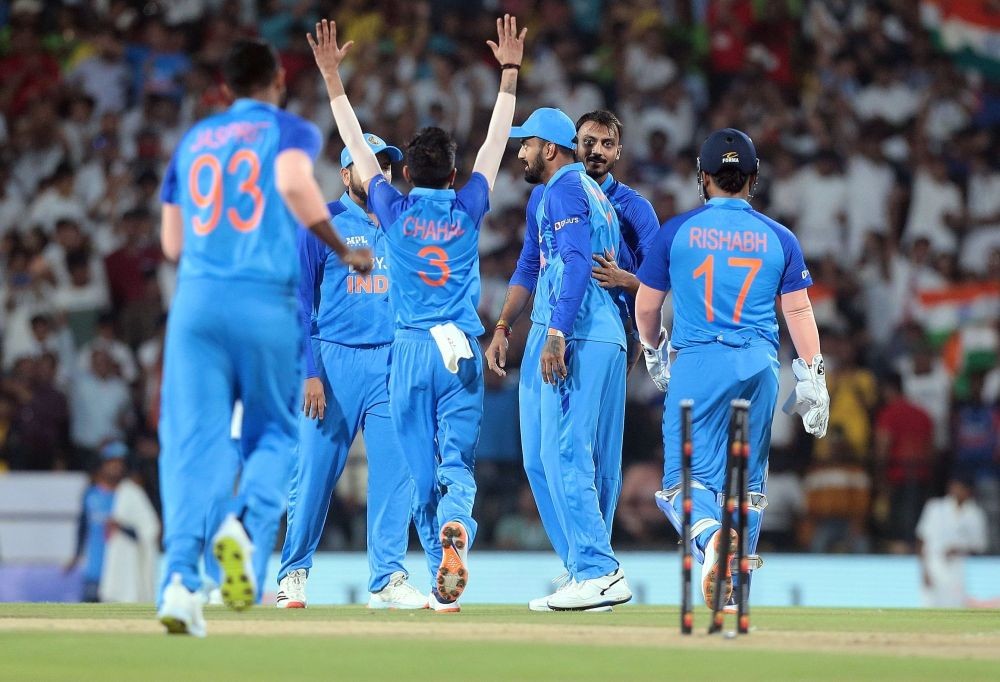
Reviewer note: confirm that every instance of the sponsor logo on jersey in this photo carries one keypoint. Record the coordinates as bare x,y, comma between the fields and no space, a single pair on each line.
563,223
356,240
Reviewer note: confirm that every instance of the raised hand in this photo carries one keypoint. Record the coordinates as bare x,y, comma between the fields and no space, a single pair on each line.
327,54
509,48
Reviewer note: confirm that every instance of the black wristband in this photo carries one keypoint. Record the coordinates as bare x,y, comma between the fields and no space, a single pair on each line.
504,67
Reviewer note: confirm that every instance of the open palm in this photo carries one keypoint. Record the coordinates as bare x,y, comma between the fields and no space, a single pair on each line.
510,46
327,54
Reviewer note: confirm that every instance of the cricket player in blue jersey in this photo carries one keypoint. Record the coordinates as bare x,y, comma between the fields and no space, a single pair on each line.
235,193
725,264
348,320
598,146
582,360
432,239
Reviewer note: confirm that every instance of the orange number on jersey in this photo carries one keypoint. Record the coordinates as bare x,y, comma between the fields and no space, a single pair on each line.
248,186
437,257
707,268
213,198
754,265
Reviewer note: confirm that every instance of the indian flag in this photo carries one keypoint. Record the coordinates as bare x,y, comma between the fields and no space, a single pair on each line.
945,310
969,30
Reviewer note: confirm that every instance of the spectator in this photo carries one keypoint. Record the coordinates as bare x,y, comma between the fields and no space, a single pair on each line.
904,452
103,76
131,555
936,206
976,424
95,516
101,405
837,500
106,340
950,528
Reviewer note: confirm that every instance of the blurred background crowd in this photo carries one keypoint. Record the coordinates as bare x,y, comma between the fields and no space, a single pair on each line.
878,147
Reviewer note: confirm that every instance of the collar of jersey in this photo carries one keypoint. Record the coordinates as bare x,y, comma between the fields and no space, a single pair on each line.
608,182
568,168
729,202
353,209
433,193
247,102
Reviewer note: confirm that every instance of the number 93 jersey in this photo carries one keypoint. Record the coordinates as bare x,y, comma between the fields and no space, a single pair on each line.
222,175
725,264
433,244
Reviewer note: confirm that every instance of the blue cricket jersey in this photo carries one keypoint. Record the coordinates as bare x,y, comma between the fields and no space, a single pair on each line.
336,303
575,220
637,221
725,263
236,225
98,502
432,240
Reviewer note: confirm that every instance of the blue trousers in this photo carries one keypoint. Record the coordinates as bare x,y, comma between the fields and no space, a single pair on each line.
437,416
608,456
581,424
227,340
355,383
712,376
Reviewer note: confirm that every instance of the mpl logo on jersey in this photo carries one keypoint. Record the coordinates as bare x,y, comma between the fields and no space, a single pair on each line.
356,240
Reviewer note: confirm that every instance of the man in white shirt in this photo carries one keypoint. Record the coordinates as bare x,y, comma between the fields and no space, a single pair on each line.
950,528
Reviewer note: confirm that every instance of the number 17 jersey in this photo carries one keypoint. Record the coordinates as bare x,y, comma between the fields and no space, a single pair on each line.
725,264
222,175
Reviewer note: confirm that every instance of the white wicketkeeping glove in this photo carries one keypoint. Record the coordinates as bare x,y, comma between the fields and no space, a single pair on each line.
810,399
658,361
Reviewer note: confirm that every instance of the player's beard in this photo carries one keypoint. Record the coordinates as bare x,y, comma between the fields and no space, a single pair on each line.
357,190
534,170
598,166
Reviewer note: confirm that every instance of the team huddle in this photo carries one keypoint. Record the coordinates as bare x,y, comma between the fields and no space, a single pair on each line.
384,292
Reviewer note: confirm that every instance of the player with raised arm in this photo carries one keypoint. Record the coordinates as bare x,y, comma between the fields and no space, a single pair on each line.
432,238
347,320
234,195
598,147
725,264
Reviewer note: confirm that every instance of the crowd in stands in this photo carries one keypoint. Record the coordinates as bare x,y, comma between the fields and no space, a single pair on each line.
878,150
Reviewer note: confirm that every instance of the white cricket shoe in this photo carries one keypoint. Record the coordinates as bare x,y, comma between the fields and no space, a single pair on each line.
453,573
435,603
563,582
232,548
398,594
710,566
584,595
180,611
292,590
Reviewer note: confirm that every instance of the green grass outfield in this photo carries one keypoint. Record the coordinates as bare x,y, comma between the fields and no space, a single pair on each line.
106,642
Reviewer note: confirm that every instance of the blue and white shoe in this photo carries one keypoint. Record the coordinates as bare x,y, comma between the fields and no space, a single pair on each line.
181,610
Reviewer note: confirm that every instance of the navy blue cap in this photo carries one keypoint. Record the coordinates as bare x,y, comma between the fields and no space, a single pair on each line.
376,144
548,124
725,147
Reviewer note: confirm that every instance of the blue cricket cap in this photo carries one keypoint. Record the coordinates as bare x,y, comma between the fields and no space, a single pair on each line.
551,125
376,144
114,450
728,147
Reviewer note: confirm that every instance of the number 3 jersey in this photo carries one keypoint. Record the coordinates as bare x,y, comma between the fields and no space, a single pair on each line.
725,263
222,175
433,245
